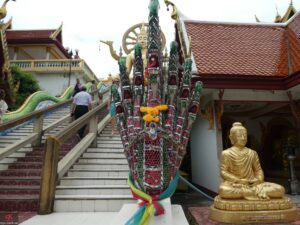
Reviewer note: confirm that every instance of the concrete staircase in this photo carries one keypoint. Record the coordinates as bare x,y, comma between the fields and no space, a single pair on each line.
97,182
20,172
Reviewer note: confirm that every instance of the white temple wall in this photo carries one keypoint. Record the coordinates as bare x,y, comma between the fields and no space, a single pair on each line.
56,84
204,156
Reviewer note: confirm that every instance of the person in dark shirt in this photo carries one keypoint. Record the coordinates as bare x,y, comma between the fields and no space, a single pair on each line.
82,103
77,87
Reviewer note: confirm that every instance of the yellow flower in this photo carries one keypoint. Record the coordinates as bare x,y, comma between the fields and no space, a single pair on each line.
152,112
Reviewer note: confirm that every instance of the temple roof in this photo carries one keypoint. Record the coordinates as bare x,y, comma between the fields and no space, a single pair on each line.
245,49
53,36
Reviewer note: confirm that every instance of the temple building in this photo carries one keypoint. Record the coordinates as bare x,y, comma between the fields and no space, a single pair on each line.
251,74
41,53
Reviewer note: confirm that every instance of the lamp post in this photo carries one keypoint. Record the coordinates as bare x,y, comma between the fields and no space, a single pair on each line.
70,52
291,155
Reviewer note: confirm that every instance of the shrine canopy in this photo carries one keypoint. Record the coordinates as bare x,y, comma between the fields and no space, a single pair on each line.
244,55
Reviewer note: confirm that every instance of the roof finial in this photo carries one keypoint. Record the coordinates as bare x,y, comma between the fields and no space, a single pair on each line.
256,18
174,14
277,13
3,10
291,3
278,18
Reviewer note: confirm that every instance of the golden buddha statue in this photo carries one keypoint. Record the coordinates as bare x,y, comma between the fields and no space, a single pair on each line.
242,173
244,197
135,34
142,38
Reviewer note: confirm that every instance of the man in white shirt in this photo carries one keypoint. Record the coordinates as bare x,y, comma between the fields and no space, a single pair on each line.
82,103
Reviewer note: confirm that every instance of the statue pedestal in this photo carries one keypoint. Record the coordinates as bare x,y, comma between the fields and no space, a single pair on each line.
174,215
259,211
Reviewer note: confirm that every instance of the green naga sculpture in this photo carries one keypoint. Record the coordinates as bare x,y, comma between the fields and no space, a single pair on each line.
155,120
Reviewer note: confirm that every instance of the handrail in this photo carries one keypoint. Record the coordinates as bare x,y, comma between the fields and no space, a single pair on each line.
35,137
79,123
22,119
49,176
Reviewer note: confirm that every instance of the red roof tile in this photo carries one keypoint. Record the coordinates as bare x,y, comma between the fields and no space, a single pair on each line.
293,30
243,49
28,34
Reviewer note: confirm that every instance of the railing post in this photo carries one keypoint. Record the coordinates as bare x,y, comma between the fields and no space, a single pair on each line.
93,129
96,97
49,176
38,128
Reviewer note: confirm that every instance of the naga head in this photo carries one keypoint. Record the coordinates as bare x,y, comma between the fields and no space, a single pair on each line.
153,7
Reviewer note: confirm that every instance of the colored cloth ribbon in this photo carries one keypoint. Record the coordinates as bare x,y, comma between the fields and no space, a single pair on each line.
149,205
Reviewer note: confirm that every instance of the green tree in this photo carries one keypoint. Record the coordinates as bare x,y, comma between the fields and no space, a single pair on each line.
25,83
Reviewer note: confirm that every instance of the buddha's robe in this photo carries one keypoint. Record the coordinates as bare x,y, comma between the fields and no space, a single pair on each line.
238,169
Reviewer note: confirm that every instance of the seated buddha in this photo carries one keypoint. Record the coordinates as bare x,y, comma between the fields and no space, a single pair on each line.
244,197
240,168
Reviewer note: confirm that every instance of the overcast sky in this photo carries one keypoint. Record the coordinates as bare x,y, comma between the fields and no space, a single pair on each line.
86,22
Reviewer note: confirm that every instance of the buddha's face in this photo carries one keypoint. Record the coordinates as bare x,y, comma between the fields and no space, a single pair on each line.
239,137
142,39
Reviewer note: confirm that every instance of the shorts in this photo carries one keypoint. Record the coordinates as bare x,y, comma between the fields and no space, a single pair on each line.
112,109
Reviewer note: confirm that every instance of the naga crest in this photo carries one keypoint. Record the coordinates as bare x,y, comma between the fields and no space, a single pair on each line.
155,120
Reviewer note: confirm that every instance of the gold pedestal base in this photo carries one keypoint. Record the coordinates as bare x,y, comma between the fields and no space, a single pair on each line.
258,211
258,217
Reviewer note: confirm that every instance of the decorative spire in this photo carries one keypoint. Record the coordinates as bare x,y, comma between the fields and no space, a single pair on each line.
174,14
278,18
3,10
143,32
289,12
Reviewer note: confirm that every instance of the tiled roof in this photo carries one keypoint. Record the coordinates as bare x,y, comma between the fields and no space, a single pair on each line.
28,34
245,49
293,30
36,37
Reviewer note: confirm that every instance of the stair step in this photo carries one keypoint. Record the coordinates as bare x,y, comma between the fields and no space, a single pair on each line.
72,181
8,141
100,166
24,165
20,181
104,150
93,203
96,173
19,190
18,134
101,161
20,173
106,155
22,205
119,142
103,145
93,190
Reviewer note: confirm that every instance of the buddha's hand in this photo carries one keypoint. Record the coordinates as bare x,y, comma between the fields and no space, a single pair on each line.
262,194
244,181
254,181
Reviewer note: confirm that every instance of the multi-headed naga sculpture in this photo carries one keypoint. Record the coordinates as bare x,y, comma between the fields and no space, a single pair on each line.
155,120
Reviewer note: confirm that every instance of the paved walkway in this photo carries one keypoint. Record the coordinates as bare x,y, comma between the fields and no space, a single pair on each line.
76,218
185,199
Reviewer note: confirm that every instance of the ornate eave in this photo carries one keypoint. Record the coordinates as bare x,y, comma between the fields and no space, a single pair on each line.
8,24
57,34
181,37
289,13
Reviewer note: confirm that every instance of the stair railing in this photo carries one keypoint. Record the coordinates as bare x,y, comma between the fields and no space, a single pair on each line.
38,130
53,169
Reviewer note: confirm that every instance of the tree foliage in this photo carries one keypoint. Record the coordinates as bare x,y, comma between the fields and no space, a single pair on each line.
25,83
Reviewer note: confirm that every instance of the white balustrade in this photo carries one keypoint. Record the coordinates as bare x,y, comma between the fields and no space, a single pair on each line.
61,65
